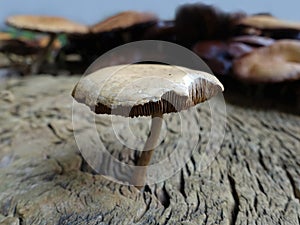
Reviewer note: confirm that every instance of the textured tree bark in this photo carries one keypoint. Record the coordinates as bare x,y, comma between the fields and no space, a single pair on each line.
255,179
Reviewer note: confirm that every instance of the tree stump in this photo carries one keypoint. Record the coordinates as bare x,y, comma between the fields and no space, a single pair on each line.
255,179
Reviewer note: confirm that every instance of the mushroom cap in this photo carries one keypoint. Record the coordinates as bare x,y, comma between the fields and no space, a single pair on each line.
268,22
123,20
275,63
145,89
46,24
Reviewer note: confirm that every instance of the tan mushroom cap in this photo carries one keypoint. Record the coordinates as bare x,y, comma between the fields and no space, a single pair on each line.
145,89
268,22
46,24
123,20
276,63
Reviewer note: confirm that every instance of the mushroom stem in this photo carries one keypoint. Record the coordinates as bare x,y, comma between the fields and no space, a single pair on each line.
139,175
43,55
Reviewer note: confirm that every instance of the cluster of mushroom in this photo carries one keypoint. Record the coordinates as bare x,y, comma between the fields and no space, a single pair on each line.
40,48
258,48
84,40
232,44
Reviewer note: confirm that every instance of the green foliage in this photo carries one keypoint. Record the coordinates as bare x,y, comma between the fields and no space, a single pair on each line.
62,38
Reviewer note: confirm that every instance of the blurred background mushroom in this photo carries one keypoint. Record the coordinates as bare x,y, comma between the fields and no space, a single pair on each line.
275,63
108,33
45,24
269,26
224,37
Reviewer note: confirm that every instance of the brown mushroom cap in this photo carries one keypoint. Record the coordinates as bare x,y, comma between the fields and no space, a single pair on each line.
123,20
268,22
276,63
46,24
145,89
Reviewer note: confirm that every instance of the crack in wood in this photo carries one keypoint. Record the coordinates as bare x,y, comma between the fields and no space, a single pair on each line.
164,197
261,188
296,191
235,210
182,184
53,130
20,217
168,218
261,161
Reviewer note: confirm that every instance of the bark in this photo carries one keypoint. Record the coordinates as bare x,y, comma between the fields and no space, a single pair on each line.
255,179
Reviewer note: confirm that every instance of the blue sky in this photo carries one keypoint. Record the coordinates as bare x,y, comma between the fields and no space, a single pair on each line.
91,11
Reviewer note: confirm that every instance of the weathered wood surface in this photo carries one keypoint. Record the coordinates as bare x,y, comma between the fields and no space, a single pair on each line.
254,180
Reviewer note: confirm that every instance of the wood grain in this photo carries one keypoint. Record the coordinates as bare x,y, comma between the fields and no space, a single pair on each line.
255,179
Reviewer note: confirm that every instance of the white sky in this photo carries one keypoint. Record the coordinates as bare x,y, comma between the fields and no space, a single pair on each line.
91,11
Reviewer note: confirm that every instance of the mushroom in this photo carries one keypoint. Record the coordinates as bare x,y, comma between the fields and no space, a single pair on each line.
45,24
270,26
123,20
124,27
275,63
268,22
145,90
109,33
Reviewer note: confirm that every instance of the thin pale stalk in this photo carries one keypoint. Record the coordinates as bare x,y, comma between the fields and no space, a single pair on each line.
140,173
35,68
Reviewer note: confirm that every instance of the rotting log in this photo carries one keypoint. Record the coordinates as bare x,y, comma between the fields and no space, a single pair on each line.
255,179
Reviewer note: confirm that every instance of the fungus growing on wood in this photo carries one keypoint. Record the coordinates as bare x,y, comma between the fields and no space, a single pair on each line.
123,20
45,24
122,90
266,25
275,63
268,22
